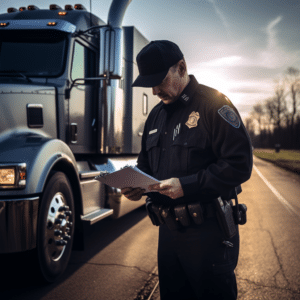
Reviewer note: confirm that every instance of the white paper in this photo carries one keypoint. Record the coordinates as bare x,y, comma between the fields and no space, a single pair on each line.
128,177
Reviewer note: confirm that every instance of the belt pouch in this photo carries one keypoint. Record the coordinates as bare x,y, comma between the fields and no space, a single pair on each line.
157,211
196,213
225,217
169,218
241,215
181,214
151,214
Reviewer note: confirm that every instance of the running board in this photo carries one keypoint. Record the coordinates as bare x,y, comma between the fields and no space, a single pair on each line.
97,215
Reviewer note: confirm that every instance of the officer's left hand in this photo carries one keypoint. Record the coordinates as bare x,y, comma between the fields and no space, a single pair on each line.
169,187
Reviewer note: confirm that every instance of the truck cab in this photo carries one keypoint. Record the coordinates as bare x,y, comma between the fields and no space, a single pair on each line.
67,114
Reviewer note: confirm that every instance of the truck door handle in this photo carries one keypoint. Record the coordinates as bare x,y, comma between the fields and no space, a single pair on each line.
73,133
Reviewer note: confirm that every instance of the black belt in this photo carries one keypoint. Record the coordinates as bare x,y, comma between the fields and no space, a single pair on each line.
180,215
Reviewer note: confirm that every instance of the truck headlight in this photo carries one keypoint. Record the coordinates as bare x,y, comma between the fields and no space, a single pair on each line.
12,176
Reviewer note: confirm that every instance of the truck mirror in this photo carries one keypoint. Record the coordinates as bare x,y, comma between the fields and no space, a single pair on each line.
111,42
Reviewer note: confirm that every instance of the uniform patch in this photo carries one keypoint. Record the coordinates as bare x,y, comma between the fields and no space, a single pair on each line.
193,120
229,115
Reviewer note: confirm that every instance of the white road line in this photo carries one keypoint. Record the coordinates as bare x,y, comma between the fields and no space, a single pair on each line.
154,289
288,206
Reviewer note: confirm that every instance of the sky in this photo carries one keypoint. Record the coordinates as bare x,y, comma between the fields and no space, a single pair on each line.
237,47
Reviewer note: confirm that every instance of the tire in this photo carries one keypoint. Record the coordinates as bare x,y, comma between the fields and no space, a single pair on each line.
54,240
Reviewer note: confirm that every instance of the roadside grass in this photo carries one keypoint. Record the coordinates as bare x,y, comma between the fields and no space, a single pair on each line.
288,159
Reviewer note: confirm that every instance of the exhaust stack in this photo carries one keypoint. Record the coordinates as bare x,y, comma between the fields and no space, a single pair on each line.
111,41
117,12
111,58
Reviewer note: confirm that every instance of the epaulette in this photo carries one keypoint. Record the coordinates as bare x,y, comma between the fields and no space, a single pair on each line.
215,97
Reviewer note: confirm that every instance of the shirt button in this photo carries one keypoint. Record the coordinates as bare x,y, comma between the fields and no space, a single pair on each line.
165,132
164,149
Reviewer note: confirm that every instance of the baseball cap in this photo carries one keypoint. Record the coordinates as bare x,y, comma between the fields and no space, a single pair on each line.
154,62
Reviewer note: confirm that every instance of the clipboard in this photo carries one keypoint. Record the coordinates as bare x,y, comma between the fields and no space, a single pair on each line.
127,177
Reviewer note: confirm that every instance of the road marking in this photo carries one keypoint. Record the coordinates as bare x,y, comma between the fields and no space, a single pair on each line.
154,289
288,206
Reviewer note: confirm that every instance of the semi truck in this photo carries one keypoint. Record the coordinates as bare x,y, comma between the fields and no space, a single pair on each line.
68,113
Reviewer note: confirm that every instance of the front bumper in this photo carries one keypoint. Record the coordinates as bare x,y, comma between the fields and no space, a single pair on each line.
18,224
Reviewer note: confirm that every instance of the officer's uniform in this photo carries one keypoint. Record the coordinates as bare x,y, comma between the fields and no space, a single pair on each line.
201,140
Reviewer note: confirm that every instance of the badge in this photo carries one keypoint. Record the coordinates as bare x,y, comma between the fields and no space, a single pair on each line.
193,120
229,115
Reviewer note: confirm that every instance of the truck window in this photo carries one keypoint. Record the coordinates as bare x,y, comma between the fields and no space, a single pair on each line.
83,65
32,52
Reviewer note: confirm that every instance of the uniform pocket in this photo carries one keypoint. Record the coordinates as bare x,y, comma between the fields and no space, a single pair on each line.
186,152
179,156
152,148
200,154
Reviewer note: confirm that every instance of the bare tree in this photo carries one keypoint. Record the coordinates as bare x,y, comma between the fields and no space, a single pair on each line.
270,110
258,114
279,104
250,128
293,81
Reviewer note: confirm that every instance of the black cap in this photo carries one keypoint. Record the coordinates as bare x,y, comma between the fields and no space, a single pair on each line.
154,62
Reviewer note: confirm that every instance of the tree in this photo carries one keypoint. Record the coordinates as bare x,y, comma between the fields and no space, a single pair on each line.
293,81
258,113
278,105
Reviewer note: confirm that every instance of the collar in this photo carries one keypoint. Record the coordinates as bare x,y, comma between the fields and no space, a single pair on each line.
185,97
188,93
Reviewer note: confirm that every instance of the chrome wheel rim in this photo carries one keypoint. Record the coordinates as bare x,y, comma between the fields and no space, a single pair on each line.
58,227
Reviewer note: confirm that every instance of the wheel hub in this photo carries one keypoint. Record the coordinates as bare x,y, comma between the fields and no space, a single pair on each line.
58,227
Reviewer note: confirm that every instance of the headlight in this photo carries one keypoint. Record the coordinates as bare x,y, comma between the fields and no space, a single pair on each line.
12,175
7,176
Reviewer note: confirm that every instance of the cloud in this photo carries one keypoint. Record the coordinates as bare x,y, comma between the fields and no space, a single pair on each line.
220,14
273,56
224,61
271,32
270,57
245,73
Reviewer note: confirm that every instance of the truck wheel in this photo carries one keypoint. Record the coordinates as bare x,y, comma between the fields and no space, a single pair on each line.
55,231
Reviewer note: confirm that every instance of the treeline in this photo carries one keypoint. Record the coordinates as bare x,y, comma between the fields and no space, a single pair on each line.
276,120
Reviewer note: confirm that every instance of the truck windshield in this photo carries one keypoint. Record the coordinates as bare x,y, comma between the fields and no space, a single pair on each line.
32,52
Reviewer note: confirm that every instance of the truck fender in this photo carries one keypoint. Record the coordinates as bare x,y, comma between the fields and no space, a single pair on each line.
42,155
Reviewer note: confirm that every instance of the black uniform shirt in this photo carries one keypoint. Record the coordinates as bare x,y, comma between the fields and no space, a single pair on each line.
200,139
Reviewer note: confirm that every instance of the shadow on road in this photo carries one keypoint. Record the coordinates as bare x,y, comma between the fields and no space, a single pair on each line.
18,281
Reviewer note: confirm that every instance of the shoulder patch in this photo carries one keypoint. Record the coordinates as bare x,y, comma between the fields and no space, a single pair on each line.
229,115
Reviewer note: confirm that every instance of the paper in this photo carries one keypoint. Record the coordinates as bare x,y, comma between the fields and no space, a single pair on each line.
128,177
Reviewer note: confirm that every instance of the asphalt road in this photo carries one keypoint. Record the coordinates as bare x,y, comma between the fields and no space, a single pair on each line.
119,262
269,261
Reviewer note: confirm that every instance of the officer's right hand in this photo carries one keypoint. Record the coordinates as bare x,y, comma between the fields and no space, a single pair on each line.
133,194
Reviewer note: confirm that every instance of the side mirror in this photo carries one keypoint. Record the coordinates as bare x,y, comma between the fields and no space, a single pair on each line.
111,46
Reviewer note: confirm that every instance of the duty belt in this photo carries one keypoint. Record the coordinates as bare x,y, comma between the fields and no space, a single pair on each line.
179,216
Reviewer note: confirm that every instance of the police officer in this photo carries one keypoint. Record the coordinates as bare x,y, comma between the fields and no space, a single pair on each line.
195,143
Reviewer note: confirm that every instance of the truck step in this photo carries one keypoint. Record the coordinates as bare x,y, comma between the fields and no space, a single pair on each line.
89,175
97,215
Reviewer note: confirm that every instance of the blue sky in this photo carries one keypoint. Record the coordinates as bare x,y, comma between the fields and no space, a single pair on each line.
237,47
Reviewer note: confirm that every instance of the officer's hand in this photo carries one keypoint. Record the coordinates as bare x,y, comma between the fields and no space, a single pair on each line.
133,194
170,187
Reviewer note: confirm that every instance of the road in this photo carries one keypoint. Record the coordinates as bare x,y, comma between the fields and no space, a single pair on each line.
119,262
269,261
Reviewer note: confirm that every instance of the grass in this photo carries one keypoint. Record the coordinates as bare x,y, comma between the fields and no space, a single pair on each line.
288,159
